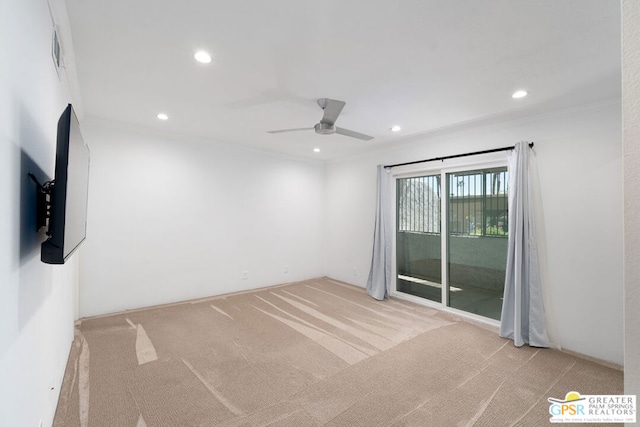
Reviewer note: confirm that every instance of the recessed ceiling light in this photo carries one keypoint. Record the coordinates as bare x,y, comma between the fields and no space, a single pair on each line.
519,94
162,116
396,128
202,57
316,150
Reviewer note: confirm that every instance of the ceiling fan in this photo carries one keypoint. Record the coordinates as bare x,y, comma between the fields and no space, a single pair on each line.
332,109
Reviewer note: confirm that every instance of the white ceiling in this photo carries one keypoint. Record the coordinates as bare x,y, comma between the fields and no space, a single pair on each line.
420,64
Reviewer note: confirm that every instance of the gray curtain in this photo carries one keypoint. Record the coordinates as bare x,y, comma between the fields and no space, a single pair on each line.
379,280
523,315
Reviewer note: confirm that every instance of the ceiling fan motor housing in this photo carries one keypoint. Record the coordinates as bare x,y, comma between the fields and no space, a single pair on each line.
325,128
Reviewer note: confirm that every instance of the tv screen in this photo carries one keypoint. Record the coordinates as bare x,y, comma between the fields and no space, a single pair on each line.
69,192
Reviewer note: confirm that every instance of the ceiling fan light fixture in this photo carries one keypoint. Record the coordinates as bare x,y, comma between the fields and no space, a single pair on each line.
396,128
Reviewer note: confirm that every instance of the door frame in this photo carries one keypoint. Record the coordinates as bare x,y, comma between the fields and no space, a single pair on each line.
418,170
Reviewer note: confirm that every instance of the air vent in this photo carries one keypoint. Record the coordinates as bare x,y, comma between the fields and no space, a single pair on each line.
56,51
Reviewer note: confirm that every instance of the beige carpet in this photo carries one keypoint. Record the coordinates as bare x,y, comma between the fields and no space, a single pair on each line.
312,353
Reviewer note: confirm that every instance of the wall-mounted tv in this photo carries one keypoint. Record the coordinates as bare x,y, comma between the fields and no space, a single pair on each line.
65,198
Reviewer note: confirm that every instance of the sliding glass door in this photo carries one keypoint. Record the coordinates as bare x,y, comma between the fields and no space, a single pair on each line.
418,237
469,274
477,233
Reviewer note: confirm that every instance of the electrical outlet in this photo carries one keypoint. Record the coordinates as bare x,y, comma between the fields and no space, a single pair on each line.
355,271
286,268
245,275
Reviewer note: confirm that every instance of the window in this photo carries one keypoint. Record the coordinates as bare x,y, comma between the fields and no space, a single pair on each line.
419,204
475,242
478,203
418,241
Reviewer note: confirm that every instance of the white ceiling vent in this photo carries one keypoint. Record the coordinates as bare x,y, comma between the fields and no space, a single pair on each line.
56,51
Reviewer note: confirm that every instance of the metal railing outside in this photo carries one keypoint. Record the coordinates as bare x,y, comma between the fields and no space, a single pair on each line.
477,202
418,204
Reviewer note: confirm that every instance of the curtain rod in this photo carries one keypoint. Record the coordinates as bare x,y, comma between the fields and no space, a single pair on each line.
494,150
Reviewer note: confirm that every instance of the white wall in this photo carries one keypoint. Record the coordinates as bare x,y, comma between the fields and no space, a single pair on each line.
579,161
172,219
631,147
37,301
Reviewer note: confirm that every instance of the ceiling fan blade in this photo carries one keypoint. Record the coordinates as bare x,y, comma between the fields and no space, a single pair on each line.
332,109
288,130
353,134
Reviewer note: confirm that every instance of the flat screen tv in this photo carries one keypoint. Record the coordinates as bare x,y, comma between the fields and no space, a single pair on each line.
67,193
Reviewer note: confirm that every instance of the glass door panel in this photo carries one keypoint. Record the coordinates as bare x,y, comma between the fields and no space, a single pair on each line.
418,237
477,240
